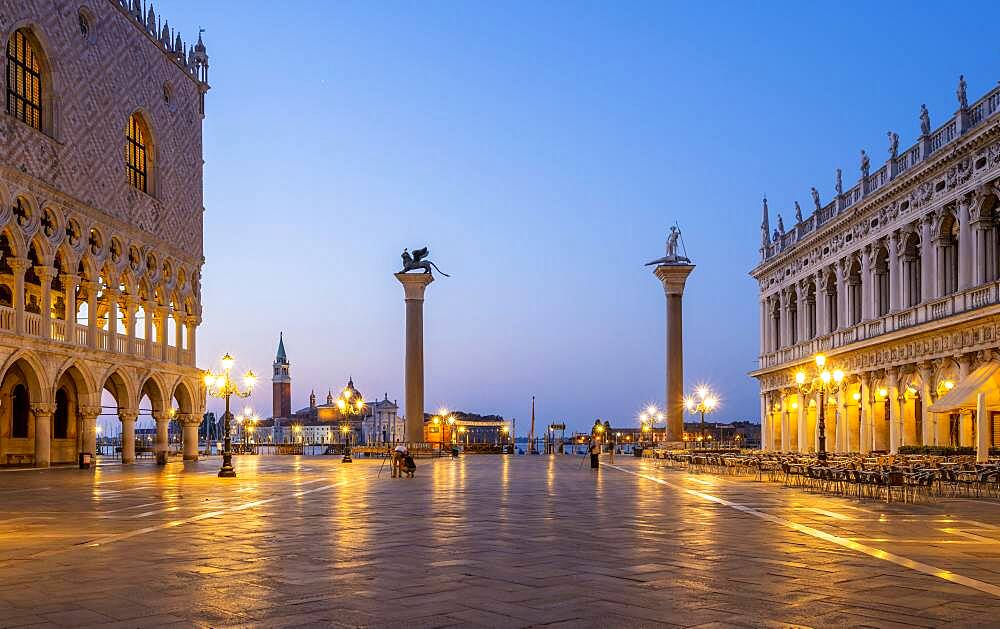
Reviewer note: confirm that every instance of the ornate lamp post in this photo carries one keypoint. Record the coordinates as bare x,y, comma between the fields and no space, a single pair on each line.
703,401
221,385
350,404
823,380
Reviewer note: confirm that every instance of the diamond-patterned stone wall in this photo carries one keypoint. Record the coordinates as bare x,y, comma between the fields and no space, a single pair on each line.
96,81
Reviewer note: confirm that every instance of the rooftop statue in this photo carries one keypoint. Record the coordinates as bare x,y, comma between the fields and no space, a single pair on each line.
893,144
840,183
672,257
815,195
798,213
416,261
925,121
963,100
781,226
865,164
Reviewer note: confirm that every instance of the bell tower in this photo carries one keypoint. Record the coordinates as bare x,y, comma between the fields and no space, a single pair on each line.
281,383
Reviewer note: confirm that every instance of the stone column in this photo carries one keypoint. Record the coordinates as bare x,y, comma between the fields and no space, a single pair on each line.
179,337
785,424
148,310
842,424
841,269
673,277
70,281
131,306
964,252
88,416
927,275
161,447
763,328
895,277
45,275
895,414
190,423
414,285
43,433
822,323
868,287
765,411
111,295
802,443
192,328
928,436
982,430
91,288
18,266
161,332
127,417
866,415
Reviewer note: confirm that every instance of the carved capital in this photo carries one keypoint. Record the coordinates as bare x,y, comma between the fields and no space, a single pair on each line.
45,273
128,414
89,411
189,419
18,265
43,410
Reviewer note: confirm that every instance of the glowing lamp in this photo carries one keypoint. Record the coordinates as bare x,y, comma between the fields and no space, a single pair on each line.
820,360
883,392
949,385
856,396
651,409
825,377
800,377
227,362
209,379
795,406
250,379
436,419
838,375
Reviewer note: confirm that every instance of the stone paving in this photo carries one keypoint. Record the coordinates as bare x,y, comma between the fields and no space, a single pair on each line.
479,541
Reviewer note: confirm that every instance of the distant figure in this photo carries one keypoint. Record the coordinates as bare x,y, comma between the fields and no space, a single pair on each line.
963,101
865,164
925,121
840,183
398,455
409,466
781,226
595,455
798,213
815,195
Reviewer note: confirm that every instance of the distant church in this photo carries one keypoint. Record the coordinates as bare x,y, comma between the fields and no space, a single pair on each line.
378,422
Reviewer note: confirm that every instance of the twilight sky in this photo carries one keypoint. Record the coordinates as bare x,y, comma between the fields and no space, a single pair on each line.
541,151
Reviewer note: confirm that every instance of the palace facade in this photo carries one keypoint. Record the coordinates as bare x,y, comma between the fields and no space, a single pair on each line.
100,226
895,281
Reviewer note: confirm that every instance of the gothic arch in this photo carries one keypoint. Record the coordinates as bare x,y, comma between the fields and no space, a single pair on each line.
185,399
121,386
82,378
34,374
155,390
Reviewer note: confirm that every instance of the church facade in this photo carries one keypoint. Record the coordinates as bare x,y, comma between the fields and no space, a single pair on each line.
367,422
100,225
894,282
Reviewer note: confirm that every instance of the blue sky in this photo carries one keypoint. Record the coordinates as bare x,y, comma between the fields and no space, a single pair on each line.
541,151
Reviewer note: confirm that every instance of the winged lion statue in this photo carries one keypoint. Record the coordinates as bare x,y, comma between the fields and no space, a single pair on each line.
416,261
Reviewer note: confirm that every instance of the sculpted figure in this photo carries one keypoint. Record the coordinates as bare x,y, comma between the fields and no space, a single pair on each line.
765,236
963,101
865,164
416,261
893,144
781,226
840,183
925,121
672,255
798,213
815,196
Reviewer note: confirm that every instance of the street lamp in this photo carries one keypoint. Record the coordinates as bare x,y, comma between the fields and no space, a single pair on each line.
221,385
822,380
350,404
703,401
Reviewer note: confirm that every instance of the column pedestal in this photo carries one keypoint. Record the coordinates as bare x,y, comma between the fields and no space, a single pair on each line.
673,277
414,286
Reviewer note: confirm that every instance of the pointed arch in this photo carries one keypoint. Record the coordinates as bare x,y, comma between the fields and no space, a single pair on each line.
184,396
140,153
30,96
32,370
121,386
154,388
81,377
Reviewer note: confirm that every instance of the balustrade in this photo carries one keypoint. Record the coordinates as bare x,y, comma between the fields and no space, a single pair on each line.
58,330
970,299
33,324
102,340
6,318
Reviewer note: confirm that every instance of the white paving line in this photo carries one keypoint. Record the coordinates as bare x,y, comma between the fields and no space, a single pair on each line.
878,553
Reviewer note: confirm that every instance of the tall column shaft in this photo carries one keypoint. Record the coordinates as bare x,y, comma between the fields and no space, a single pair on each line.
128,434
414,286
43,433
673,277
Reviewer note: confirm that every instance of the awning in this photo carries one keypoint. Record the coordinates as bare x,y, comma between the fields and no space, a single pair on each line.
985,379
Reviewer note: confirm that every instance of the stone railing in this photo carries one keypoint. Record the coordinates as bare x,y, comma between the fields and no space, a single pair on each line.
957,303
978,113
33,328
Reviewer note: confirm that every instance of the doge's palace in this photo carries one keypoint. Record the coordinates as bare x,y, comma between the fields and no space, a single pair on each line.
895,282
100,226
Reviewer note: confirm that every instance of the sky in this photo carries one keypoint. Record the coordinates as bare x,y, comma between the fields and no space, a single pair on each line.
541,150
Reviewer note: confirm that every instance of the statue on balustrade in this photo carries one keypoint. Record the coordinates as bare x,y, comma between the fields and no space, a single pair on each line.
781,226
865,164
963,101
840,183
765,228
798,213
893,145
925,121
815,195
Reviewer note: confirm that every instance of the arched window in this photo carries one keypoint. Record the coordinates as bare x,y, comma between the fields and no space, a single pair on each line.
24,80
60,420
19,412
137,162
